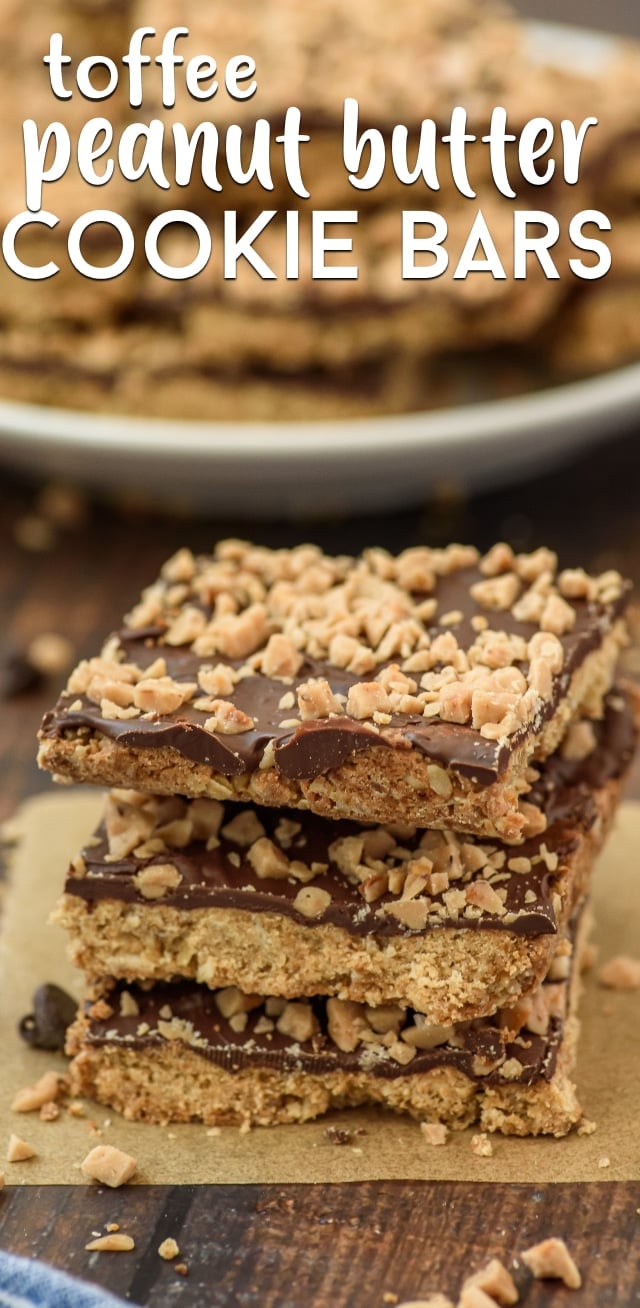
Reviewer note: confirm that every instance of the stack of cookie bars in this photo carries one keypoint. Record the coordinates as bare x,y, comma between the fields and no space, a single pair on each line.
356,808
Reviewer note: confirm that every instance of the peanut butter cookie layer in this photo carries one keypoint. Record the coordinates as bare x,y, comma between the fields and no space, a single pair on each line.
182,1052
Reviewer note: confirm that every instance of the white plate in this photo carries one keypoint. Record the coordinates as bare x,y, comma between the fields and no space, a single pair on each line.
359,465
270,470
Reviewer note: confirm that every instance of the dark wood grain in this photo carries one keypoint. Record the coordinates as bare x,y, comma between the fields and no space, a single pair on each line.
326,1246
330,1246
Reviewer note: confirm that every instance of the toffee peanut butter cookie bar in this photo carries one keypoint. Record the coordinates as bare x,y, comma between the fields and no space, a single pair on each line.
413,689
183,1052
290,904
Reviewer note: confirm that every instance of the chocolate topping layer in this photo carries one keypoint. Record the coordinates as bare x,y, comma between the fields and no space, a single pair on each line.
189,1013
306,751
317,746
209,879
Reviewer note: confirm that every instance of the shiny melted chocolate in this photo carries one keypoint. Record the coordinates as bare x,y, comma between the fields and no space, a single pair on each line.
210,880
210,1036
316,747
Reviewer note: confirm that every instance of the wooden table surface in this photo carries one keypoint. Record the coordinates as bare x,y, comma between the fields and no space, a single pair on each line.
294,1246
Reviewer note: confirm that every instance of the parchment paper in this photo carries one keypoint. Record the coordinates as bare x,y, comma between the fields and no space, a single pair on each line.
54,826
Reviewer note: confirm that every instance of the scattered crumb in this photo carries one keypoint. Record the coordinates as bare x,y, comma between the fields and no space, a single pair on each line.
435,1133
181,1269
75,1108
168,1250
620,973
113,1226
389,1297
33,1097
108,1165
551,1258
604,1161
481,1145
355,1150
494,1282
49,1112
586,1127
213,1131
18,1150
111,1244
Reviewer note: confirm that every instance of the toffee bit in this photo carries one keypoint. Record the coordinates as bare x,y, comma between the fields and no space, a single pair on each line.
551,1258
586,1127
435,1133
115,1243
34,1097
18,1151
168,1250
109,1166
481,1145
494,1283
49,1112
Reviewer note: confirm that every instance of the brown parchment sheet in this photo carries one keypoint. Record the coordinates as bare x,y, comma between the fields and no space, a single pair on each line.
54,826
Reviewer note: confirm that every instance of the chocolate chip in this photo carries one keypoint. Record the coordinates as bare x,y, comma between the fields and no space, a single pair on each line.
53,1011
